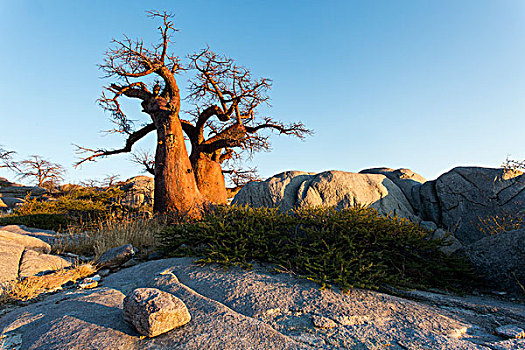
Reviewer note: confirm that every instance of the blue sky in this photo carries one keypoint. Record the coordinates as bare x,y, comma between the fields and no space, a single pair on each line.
426,85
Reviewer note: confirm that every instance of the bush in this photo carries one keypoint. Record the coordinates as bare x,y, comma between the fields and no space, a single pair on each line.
55,222
74,207
351,247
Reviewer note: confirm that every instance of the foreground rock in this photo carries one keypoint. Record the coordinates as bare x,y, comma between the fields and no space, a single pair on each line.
115,257
237,309
22,254
340,189
153,312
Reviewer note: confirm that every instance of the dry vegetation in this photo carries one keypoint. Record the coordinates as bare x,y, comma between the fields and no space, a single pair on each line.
31,287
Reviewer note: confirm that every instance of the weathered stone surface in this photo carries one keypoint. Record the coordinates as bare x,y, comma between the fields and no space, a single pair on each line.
407,180
26,241
10,255
33,262
116,256
10,202
47,236
451,245
153,312
22,191
501,258
229,310
331,188
344,190
458,199
510,331
139,191
278,191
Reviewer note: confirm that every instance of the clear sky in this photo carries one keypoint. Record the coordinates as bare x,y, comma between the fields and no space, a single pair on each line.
427,85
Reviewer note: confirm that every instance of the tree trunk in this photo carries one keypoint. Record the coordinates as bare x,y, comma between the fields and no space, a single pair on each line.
210,180
175,186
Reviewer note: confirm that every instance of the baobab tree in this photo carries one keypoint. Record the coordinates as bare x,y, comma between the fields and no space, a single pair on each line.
223,98
129,61
44,173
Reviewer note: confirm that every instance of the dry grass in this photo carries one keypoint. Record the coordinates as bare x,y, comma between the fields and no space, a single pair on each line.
96,238
31,287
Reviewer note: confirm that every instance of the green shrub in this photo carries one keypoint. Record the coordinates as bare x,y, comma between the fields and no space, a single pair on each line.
55,222
76,206
351,247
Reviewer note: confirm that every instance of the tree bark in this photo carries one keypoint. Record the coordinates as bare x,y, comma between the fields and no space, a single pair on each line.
209,178
175,186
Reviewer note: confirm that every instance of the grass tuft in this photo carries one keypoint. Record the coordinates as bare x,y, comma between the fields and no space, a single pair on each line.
31,287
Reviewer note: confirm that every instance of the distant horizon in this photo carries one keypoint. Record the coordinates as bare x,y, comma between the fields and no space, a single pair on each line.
418,85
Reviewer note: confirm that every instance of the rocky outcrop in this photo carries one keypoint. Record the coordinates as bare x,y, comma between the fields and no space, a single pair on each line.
13,195
239,309
407,180
139,191
153,312
296,189
460,198
501,259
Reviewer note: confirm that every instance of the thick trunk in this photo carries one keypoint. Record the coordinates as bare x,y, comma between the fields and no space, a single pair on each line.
210,180
175,186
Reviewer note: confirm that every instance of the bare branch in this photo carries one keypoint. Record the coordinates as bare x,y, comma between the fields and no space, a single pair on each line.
45,173
132,139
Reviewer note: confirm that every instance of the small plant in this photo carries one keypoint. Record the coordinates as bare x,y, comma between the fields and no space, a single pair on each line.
351,247
511,164
501,223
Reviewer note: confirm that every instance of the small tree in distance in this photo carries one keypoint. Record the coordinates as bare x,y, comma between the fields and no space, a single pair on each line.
6,159
44,173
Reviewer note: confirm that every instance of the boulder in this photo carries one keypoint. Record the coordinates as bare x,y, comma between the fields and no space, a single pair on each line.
139,191
501,259
407,180
10,202
460,198
153,312
278,191
115,257
295,189
345,190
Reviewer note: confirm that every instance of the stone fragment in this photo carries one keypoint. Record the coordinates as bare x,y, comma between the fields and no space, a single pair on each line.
130,263
115,257
510,331
450,243
323,322
104,272
153,312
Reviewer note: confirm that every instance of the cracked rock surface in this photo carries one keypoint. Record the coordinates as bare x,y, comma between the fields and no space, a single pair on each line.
239,309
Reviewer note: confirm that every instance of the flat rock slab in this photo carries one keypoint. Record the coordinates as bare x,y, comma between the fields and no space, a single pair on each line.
33,263
26,241
238,309
10,255
47,236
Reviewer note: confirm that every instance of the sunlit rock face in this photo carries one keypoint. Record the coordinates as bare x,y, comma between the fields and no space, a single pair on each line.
456,201
295,189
